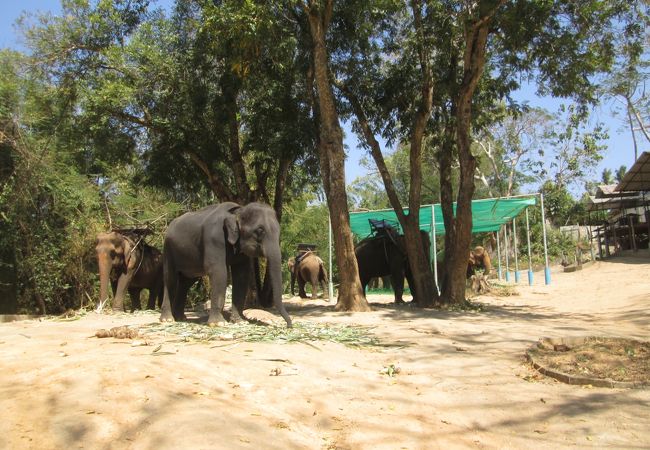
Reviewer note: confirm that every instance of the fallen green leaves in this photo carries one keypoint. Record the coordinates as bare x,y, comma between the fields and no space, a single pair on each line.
303,332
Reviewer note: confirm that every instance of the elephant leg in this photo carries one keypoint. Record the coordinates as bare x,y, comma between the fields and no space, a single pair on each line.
397,279
322,276
134,293
156,292
153,293
323,285
122,285
301,286
240,282
184,285
161,295
409,278
218,276
314,285
169,290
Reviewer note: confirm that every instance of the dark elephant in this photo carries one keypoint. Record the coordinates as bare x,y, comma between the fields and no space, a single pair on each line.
479,258
130,265
385,254
206,242
309,269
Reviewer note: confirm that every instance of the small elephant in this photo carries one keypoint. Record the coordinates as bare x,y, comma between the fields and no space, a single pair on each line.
309,269
479,258
206,242
130,265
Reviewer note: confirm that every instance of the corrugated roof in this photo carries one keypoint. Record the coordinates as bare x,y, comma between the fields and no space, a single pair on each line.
609,190
614,203
637,179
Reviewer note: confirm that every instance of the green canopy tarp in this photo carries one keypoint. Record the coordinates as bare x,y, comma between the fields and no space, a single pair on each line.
487,215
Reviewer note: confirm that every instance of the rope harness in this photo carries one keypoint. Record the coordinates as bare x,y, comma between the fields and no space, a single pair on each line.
133,248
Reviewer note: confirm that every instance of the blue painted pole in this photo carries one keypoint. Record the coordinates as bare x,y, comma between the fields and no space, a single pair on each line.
514,237
530,260
547,269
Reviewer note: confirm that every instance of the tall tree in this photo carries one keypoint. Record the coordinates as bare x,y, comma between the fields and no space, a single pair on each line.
332,157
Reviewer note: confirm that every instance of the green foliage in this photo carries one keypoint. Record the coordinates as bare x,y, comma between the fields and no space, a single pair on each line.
49,218
368,192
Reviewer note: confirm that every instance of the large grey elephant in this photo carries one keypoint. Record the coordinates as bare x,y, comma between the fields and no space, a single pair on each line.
309,269
385,254
129,264
206,242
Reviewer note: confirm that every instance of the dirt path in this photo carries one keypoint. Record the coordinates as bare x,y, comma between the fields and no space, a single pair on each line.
463,381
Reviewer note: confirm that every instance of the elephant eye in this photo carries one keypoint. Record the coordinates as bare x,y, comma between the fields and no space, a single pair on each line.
259,231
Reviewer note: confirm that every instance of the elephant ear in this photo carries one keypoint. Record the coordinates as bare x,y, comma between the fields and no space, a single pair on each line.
129,250
231,224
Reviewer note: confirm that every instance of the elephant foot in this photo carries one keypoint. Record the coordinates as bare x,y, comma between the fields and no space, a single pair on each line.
216,320
399,301
167,316
236,319
236,316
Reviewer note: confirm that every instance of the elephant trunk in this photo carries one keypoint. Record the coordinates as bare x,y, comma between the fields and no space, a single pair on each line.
274,262
105,266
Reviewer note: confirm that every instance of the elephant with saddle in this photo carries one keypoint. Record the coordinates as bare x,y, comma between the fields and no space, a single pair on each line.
385,254
211,240
129,264
308,268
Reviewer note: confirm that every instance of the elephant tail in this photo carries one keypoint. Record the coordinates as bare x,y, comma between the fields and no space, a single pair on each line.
322,272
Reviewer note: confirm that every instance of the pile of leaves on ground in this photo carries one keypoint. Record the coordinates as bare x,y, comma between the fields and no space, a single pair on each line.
616,359
303,332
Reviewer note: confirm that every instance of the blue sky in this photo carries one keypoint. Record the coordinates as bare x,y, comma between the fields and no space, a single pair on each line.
620,150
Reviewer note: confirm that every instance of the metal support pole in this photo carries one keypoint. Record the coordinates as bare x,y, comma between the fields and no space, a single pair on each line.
435,252
514,237
530,259
499,254
506,250
646,214
631,232
331,283
591,239
600,245
547,269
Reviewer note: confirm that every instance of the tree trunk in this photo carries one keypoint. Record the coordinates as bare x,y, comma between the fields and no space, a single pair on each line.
332,161
461,231
445,158
8,282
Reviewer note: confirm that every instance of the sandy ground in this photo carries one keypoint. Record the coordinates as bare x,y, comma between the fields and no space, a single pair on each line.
463,382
